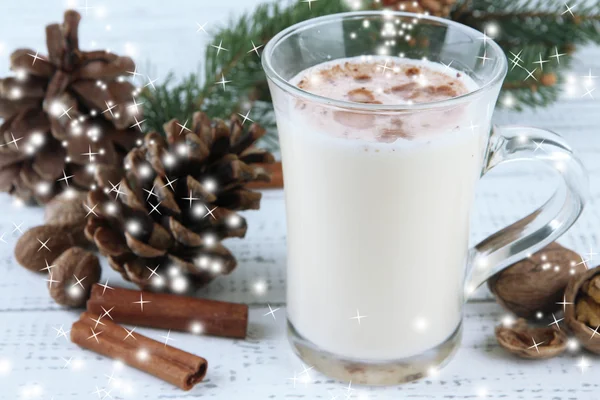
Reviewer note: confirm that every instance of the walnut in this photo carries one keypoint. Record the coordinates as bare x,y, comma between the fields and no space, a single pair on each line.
582,309
537,283
72,277
531,342
40,246
67,209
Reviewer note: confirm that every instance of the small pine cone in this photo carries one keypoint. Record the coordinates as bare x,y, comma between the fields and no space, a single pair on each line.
54,125
161,224
438,8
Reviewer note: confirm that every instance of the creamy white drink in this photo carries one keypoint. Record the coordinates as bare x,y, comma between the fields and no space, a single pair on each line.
378,207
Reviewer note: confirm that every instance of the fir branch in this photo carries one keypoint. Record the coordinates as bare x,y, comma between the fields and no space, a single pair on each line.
240,61
541,21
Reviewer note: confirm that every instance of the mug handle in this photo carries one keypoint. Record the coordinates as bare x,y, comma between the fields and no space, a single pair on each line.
547,223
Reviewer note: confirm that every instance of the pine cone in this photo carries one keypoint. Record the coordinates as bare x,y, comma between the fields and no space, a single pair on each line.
161,224
439,8
54,123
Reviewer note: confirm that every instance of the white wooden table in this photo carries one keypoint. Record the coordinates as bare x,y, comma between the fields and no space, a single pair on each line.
36,364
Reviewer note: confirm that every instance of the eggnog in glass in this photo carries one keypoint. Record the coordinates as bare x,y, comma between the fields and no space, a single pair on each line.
382,142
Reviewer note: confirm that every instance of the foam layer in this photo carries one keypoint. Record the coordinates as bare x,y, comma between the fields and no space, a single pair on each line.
385,81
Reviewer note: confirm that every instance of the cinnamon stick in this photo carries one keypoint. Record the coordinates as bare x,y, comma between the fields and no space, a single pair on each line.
165,362
167,311
276,178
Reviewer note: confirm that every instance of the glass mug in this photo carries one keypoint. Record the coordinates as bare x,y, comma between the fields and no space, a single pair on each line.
379,265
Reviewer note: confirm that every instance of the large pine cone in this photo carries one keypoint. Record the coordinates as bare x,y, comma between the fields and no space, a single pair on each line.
161,225
57,121
439,8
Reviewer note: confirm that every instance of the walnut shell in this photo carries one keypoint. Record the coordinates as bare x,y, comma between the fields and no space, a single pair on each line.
72,277
535,284
40,246
531,342
67,210
582,311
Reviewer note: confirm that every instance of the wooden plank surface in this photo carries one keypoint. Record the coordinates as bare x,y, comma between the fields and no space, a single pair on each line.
31,357
261,367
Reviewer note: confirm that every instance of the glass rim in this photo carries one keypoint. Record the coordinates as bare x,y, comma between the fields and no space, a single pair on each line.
497,77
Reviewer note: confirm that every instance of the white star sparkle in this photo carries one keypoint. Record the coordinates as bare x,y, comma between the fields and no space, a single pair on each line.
447,66
589,77
17,227
167,338
294,379
94,335
170,183
86,8
60,332
117,189
184,127
106,313
65,178
138,124
222,81
246,117
569,9
583,364
150,193
135,105
51,281
134,73
589,93
109,108
79,281
105,287
517,60
271,311
385,67
90,210
557,56
219,47
209,212
556,321
541,62
14,141
43,245
48,267
484,58
153,272
155,208
590,255
530,74
66,112
201,27
90,154
538,145
536,345
564,303
190,198
67,362
151,82
358,317
309,3
129,334
255,48
141,302
97,321
35,57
